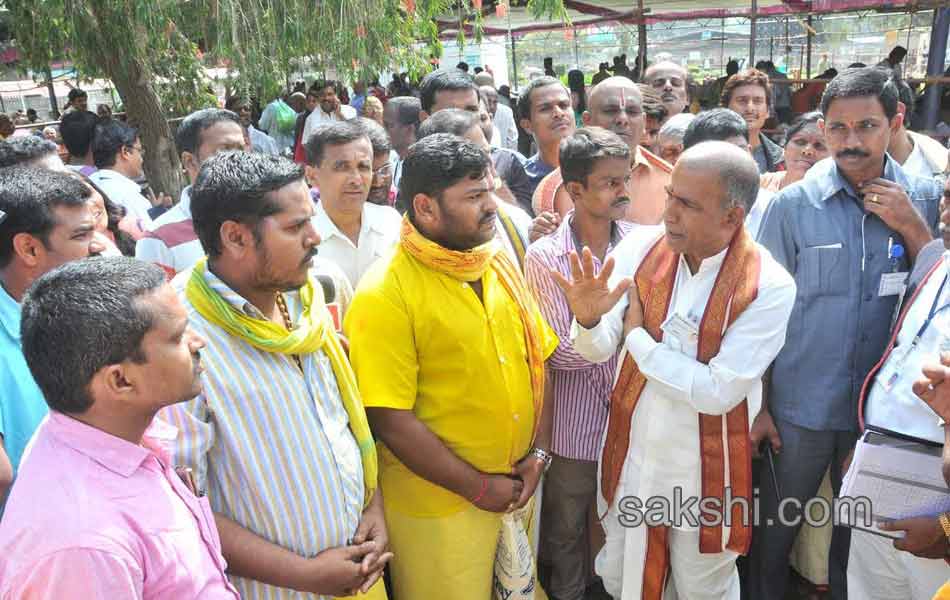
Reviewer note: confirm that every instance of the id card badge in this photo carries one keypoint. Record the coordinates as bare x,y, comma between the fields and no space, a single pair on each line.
892,284
891,371
682,329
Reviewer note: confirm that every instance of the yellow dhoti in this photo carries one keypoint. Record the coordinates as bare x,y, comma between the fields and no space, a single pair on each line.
447,557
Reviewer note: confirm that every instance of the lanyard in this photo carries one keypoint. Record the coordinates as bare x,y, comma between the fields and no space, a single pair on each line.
933,312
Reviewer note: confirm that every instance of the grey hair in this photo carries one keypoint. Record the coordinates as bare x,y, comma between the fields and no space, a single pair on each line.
675,126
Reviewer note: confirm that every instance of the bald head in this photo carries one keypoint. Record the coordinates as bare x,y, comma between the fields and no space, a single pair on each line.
735,168
616,104
670,81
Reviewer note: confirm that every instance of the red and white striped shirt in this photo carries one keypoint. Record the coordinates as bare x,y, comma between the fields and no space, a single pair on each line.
171,241
581,388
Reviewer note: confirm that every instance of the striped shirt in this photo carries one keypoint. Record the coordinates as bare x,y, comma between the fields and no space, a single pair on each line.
581,388
271,446
171,242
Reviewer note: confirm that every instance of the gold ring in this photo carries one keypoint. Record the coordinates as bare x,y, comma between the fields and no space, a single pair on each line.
874,199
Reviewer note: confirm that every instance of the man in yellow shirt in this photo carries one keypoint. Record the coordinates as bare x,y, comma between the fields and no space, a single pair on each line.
448,346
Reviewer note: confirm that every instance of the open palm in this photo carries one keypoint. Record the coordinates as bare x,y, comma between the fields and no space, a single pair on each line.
587,293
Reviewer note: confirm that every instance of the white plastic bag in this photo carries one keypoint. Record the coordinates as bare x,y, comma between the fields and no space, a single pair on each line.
514,559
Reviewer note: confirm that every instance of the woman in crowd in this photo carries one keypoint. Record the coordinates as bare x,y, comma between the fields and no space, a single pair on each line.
804,146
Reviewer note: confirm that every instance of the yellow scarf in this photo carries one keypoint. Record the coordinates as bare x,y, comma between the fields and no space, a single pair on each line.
314,331
470,265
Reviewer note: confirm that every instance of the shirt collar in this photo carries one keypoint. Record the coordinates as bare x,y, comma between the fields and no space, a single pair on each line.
230,296
9,314
184,203
110,175
113,453
836,182
327,228
708,263
564,240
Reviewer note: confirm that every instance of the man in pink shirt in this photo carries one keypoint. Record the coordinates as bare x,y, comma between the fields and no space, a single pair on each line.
97,510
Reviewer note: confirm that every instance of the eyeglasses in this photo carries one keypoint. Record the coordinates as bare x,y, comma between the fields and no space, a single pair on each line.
384,171
139,148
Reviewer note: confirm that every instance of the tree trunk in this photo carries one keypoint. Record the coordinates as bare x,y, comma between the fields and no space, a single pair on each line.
135,83
145,111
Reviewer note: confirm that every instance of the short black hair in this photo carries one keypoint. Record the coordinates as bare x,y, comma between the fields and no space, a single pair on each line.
322,84
451,120
716,125
443,80
81,317
906,96
77,129
863,82
331,133
28,196
524,100
436,163
110,137
579,153
188,136
407,109
805,120
377,136
76,93
236,186
25,149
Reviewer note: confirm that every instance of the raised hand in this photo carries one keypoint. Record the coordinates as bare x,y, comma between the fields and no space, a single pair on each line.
587,293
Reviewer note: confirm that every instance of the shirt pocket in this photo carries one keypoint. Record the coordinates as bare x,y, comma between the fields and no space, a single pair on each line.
824,268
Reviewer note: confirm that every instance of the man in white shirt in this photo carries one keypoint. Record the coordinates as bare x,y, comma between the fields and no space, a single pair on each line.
876,569
353,232
917,153
171,241
502,118
330,109
705,315
401,120
118,153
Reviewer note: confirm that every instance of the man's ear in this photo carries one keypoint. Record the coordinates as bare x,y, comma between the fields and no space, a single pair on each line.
311,174
526,125
574,189
426,208
190,164
237,239
29,249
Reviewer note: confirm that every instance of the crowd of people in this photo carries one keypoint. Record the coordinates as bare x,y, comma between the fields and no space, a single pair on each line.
371,336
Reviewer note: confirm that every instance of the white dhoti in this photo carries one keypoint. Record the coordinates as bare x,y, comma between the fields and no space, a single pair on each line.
879,571
692,575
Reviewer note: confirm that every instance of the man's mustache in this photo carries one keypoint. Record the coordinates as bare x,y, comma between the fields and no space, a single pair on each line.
310,255
852,152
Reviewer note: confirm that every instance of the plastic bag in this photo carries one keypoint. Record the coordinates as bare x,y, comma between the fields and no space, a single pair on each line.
284,117
514,559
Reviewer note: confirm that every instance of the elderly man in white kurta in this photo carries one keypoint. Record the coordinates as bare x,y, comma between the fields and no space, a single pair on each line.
698,311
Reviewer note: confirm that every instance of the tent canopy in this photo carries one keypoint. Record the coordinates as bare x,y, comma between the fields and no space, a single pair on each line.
584,13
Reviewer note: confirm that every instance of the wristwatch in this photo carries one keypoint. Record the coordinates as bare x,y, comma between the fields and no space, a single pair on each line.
545,456
945,523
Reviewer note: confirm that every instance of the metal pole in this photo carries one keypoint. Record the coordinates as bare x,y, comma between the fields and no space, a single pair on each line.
641,40
53,104
755,5
808,50
938,53
577,56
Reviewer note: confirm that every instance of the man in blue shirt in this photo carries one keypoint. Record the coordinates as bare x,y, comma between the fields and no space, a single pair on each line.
848,233
545,111
49,221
